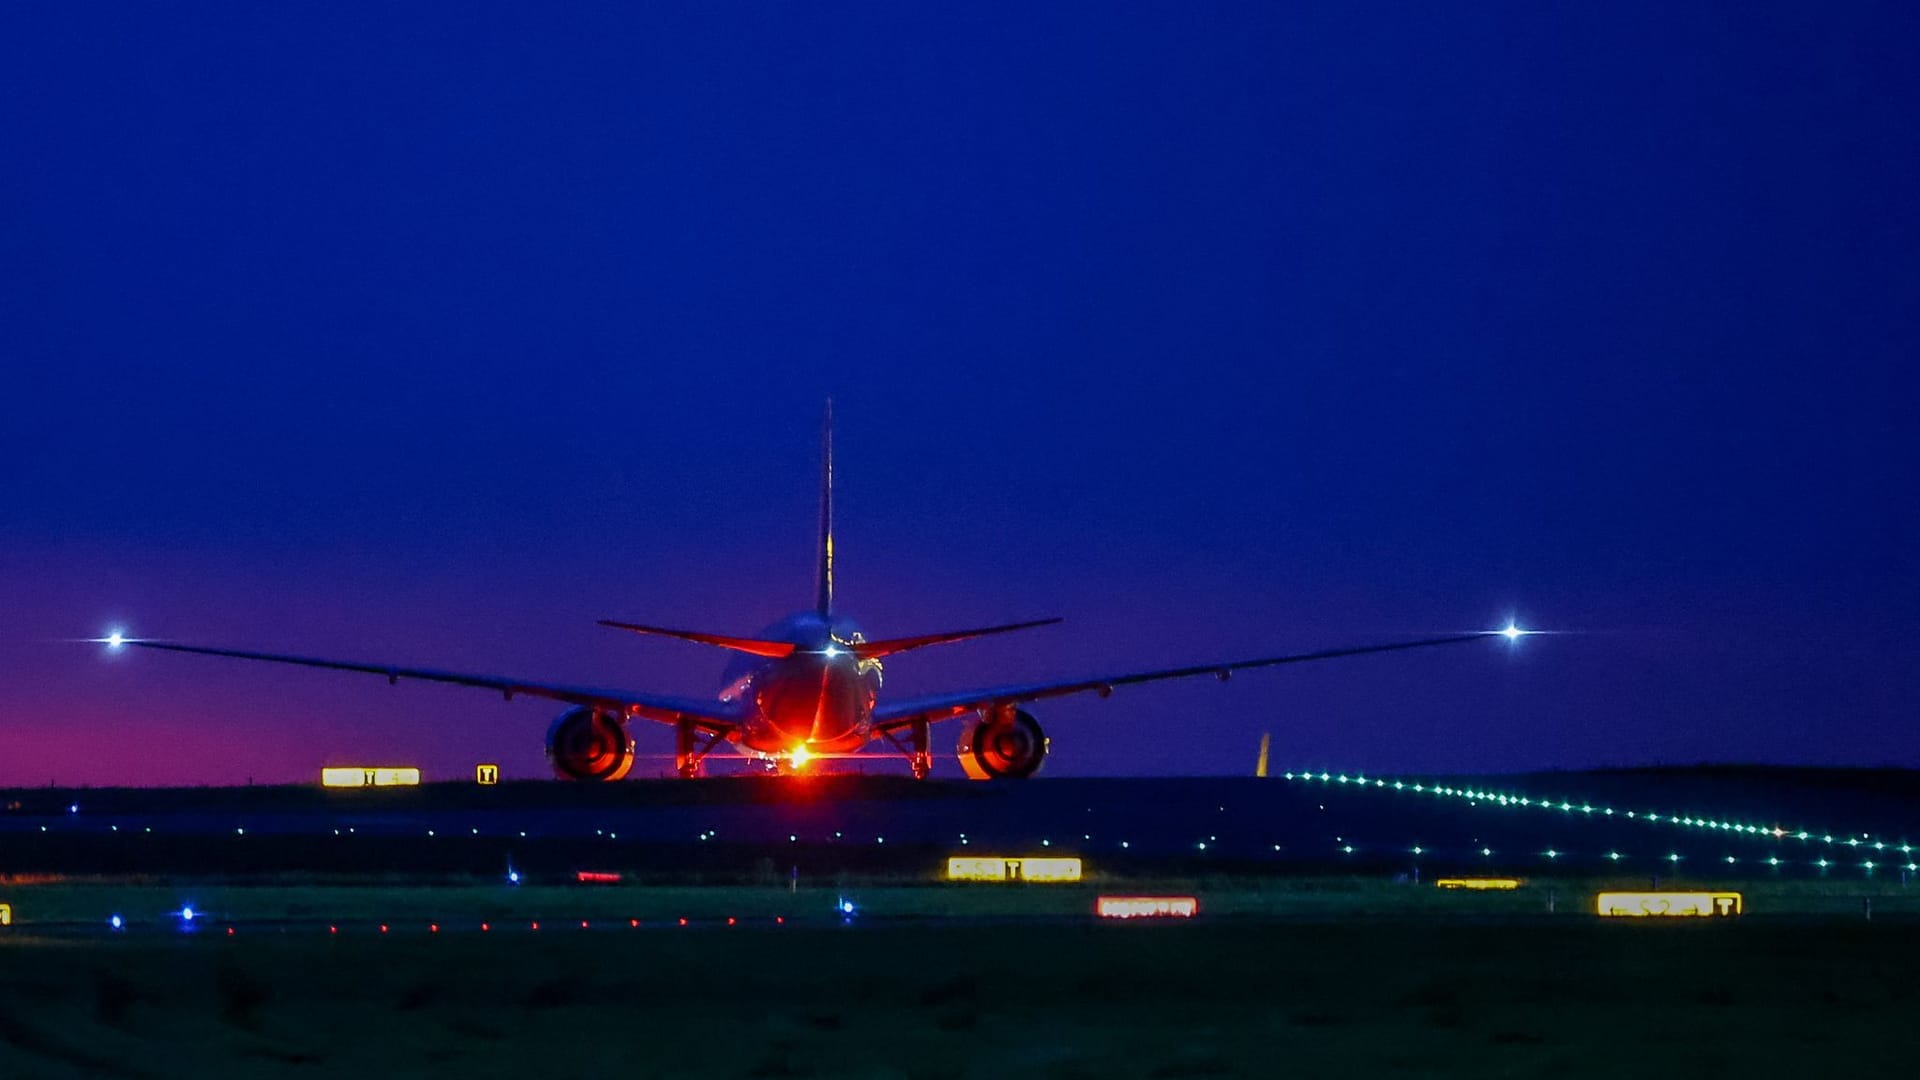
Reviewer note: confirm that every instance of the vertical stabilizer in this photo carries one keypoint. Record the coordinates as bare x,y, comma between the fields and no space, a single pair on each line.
823,600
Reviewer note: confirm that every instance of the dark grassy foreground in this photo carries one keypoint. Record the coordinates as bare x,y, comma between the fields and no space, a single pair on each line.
1481,998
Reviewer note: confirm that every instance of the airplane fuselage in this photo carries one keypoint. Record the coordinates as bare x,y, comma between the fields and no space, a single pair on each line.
818,700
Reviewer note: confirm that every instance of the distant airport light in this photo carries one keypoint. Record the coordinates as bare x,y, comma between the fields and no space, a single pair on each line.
1479,884
1478,797
360,776
116,639
1001,868
486,775
6,916
1512,632
1147,907
597,877
112,920
1667,904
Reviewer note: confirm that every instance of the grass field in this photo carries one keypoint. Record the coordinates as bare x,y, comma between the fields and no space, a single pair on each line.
466,900
1391,996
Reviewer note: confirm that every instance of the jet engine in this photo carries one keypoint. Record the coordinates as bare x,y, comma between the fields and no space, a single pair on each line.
587,745
1004,744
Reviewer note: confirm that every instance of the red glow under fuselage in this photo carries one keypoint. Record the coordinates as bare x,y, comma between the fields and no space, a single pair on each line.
819,699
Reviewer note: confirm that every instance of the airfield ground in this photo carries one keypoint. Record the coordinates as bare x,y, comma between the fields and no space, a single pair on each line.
1306,977
1307,999
1323,947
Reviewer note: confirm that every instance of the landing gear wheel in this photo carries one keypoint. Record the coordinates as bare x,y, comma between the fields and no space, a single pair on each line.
689,752
921,757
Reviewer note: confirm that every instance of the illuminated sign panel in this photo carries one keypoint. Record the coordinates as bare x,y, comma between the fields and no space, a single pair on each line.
963,869
1147,907
1000,868
1044,869
597,877
1479,883
486,774
1668,904
6,914
357,776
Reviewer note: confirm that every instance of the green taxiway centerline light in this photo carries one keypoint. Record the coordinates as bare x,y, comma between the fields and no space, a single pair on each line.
1566,806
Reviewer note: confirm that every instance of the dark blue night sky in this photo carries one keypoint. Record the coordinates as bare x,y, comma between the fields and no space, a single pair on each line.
432,335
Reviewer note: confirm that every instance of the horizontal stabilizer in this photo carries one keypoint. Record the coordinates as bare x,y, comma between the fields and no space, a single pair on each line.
752,646
868,650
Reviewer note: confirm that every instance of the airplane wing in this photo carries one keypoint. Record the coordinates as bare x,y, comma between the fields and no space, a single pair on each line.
711,715
899,714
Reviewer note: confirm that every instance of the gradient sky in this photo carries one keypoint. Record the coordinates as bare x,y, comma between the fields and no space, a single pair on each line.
430,335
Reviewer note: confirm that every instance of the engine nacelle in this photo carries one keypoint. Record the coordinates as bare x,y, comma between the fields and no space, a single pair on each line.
584,744
1005,744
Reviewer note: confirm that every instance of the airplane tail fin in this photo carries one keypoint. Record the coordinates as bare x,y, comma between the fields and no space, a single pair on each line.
823,596
870,650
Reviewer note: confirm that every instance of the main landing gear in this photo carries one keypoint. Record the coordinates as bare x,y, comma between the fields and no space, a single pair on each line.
915,747
691,747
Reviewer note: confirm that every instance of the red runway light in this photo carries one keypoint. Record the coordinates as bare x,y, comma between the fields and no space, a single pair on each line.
383,928
635,922
433,928
583,924
536,925
485,927
333,929
229,931
729,920
683,922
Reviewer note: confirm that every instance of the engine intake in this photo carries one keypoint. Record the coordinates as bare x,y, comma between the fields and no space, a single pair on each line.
586,745
1006,744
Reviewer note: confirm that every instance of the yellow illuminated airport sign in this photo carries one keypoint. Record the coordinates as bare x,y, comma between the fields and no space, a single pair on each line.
1000,868
357,776
486,774
1479,884
6,914
1668,904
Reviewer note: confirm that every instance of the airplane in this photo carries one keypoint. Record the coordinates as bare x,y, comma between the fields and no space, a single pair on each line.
806,687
